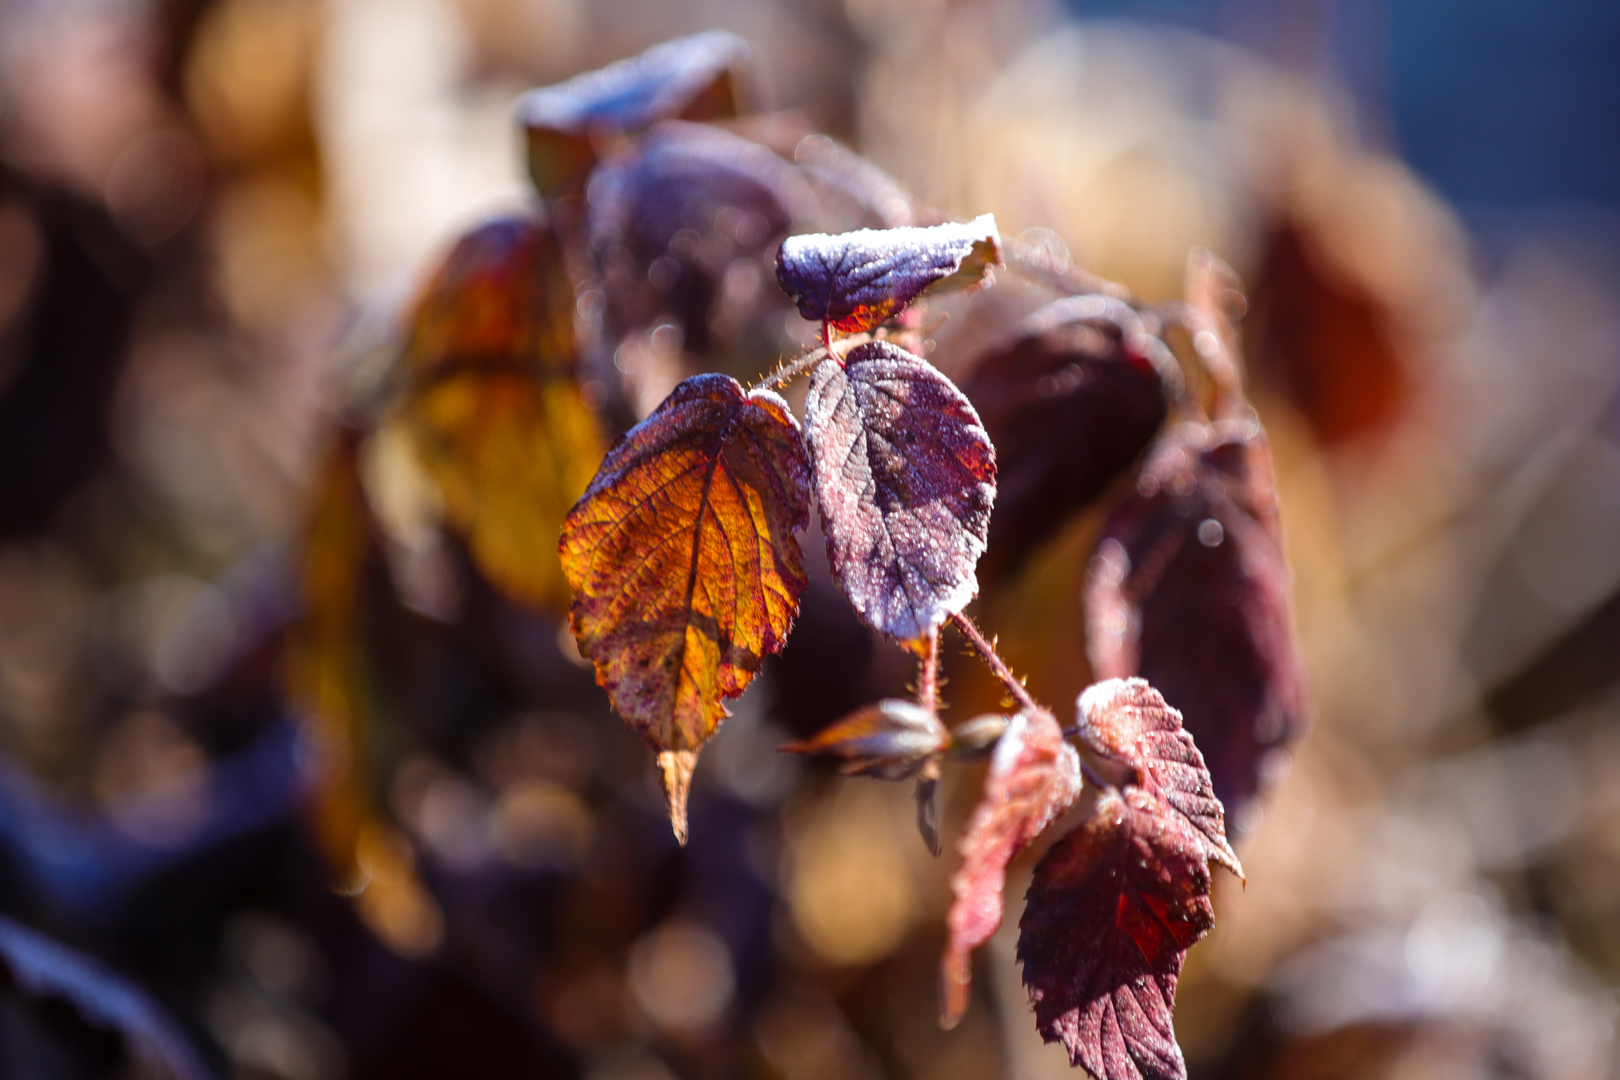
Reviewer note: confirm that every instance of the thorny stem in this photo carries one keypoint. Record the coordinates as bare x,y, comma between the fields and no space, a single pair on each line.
792,370
987,653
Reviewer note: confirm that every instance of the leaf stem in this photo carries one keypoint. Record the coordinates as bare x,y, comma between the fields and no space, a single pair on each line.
928,673
987,653
792,370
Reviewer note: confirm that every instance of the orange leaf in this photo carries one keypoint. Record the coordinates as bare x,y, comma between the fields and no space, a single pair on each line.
492,407
685,569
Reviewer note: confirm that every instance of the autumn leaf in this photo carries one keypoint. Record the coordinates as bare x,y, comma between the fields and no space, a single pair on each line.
1189,590
1034,776
336,685
328,671
905,478
669,220
491,406
1071,401
890,739
1127,721
1110,914
856,281
685,569
692,78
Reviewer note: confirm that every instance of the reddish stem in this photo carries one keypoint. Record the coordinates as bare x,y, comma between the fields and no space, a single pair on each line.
987,653
928,673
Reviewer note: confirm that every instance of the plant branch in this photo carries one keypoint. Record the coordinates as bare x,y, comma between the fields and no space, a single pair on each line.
987,653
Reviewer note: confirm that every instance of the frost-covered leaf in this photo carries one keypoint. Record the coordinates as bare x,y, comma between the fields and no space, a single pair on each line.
905,478
890,739
491,408
858,280
1111,912
685,569
1189,590
690,78
1070,402
1034,776
1128,722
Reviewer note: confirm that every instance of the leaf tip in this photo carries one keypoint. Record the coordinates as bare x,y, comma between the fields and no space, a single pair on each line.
955,987
675,767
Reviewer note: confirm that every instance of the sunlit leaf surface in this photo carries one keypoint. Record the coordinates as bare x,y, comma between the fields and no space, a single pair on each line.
685,569
1127,721
858,280
905,478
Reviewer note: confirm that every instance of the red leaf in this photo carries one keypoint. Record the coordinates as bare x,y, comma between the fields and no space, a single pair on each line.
1189,590
1034,776
891,740
1127,721
685,569
1111,912
858,280
1070,402
905,478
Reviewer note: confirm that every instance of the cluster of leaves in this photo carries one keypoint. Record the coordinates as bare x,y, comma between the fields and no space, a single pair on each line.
680,563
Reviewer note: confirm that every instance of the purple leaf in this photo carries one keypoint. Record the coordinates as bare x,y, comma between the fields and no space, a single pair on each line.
669,218
1189,590
1070,402
1111,912
856,281
905,477
690,78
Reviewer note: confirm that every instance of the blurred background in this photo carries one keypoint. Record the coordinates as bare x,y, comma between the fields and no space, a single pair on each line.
212,214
